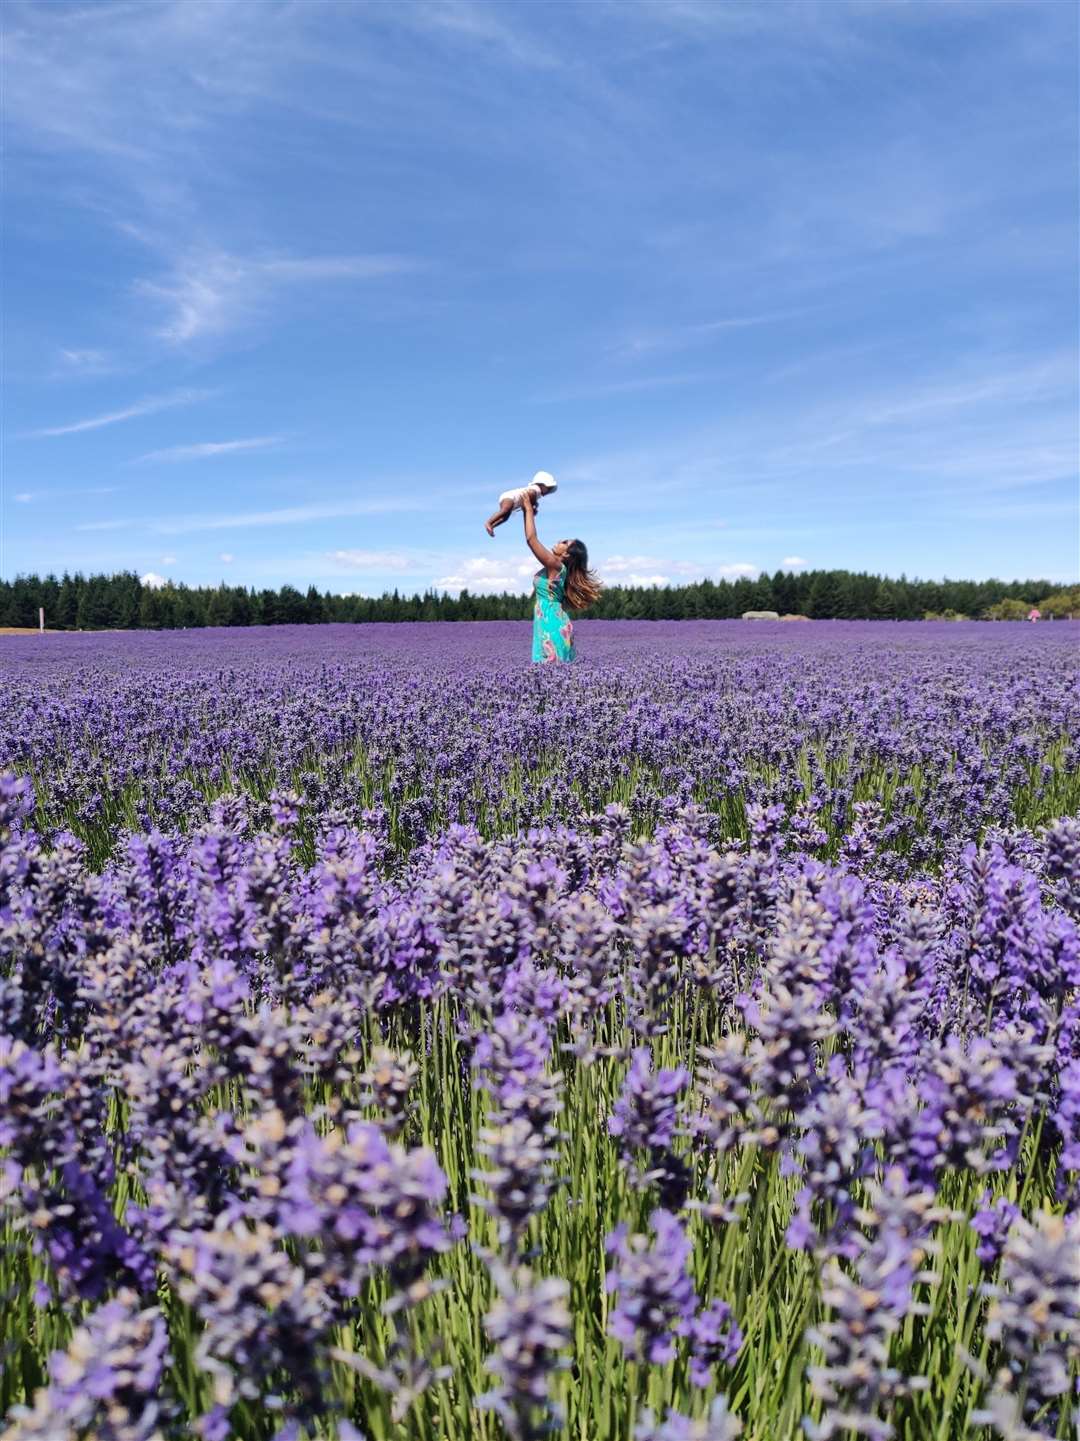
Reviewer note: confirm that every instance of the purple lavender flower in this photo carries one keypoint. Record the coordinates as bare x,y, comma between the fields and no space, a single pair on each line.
645,1115
390,1078
790,1025
530,1325
991,1224
644,1121
833,1151
715,1340
724,1089
261,1316
855,1379
719,1425
189,979
519,1176
511,1057
108,1383
367,1203
1034,1314
655,1295
1061,851
868,1305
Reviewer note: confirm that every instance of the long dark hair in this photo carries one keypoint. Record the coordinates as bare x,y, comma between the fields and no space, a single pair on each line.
582,587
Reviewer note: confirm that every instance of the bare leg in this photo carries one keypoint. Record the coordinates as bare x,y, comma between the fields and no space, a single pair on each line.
501,515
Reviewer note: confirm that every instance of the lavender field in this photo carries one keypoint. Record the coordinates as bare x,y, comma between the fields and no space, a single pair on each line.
398,1040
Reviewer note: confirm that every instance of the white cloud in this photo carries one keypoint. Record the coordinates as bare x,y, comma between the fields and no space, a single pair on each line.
634,578
24,497
652,570
208,449
152,580
208,294
488,575
793,562
377,560
227,557
168,560
143,407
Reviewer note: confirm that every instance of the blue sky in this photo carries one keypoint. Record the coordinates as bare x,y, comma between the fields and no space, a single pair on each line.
293,290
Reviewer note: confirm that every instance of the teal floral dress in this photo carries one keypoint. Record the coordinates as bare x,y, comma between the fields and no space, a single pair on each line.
553,630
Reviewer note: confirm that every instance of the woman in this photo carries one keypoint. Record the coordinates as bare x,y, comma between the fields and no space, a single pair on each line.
565,576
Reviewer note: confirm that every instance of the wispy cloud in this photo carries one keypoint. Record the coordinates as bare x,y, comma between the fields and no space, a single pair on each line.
254,519
481,25
29,497
210,293
115,417
153,581
376,560
681,337
794,562
1034,380
84,362
208,449
588,391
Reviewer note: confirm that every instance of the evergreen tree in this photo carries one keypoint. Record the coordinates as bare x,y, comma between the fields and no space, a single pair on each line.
150,609
785,593
109,601
827,595
886,601
219,608
92,612
314,611
292,608
67,602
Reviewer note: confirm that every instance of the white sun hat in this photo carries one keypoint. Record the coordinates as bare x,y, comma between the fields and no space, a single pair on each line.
543,477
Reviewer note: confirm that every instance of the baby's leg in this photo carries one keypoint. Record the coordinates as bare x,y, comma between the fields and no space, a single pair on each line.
502,514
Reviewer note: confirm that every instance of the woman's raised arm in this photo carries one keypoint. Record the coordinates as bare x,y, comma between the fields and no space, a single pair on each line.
543,555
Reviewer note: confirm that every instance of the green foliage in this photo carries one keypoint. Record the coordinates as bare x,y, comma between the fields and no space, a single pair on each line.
1008,609
122,602
1064,604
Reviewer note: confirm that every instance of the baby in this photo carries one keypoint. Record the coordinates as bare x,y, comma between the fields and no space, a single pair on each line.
541,484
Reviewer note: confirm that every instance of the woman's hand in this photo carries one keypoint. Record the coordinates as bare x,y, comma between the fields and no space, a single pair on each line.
543,555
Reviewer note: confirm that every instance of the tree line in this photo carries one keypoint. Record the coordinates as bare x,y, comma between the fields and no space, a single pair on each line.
122,602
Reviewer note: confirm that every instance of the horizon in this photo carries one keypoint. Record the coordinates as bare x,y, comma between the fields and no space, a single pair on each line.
649,583
293,291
